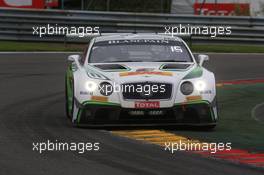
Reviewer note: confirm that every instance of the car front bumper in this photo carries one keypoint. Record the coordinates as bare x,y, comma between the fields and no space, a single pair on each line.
195,113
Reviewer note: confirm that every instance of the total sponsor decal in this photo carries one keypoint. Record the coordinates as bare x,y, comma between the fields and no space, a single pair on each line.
123,74
147,104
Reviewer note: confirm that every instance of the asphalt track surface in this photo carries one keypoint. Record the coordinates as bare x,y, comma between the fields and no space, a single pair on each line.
32,110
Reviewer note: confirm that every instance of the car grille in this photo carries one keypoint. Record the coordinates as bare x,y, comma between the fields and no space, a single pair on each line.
141,95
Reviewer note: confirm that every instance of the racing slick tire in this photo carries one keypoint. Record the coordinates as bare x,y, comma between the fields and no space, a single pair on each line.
69,113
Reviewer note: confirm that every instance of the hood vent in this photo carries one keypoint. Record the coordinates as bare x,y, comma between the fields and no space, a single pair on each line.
175,66
109,67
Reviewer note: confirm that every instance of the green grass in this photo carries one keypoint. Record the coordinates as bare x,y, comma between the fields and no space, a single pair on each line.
10,46
236,124
228,48
43,46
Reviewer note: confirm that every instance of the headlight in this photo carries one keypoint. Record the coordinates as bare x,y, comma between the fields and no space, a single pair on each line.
90,86
106,88
187,88
200,85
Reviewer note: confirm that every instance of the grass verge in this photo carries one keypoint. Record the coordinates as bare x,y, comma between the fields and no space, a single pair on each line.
236,124
12,46
228,48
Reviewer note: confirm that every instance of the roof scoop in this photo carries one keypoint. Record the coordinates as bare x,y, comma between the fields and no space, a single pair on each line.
111,67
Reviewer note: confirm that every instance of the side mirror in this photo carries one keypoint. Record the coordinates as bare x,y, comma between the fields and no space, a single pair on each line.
76,59
202,58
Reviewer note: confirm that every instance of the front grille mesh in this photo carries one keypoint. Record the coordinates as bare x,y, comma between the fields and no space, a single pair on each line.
134,94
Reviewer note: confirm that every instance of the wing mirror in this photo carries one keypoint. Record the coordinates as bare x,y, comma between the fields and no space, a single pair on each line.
76,59
202,58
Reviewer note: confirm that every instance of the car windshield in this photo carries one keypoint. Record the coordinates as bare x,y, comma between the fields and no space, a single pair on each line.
139,51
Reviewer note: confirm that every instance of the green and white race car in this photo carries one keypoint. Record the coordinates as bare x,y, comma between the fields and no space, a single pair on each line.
134,79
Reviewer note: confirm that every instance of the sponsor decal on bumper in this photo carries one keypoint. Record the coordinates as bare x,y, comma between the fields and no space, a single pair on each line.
147,104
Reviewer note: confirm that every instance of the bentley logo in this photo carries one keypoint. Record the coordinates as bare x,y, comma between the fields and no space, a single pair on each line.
146,95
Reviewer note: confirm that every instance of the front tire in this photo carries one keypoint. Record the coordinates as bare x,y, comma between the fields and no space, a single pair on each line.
69,112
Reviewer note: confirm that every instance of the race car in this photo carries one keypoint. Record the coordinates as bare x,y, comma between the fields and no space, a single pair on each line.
135,79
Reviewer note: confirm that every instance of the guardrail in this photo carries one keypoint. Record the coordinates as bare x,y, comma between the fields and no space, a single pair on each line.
16,24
